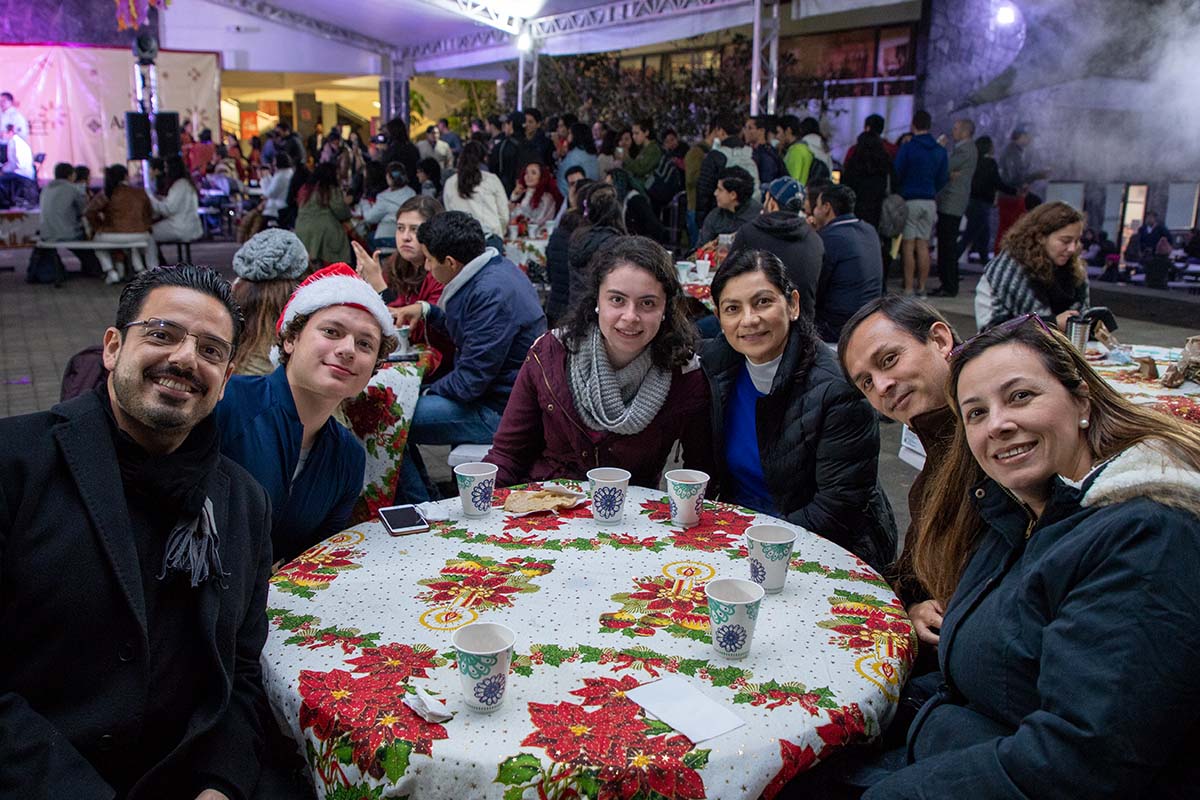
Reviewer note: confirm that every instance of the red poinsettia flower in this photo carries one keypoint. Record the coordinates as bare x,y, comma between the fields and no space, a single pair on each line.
337,696
796,759
398,661
845,725
581,511
396,723
660,510
607,691
499,496
544,521
655,764
474,590
571,734
528,540
661,594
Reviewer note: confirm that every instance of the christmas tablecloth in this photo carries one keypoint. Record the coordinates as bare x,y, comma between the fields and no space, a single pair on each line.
524,250
1183,402
360,619
380,418
698,289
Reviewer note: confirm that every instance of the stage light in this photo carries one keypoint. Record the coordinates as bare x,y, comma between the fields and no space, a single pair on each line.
524,42
1006,14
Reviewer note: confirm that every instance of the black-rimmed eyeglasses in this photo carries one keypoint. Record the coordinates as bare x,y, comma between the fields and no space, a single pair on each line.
212,349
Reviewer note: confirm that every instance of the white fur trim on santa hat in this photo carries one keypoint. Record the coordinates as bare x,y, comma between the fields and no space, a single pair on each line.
338,290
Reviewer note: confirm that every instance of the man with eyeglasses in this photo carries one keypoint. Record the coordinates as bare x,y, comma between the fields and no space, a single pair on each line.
134,558
332,333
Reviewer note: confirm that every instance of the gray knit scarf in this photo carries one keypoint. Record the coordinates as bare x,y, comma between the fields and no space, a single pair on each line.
623,401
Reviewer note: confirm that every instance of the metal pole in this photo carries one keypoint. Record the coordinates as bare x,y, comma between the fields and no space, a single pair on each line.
756,63
773,84
533,55
520,81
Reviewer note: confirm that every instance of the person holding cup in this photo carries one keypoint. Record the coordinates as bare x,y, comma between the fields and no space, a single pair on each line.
790,436
616,386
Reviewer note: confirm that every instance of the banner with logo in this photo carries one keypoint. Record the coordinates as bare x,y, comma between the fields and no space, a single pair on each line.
75,98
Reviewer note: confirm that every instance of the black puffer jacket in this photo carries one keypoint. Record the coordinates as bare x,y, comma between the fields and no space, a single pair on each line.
792,239
558,268
818,442
584,244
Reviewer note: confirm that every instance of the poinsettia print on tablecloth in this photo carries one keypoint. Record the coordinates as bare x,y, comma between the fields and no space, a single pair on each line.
380,418
380,631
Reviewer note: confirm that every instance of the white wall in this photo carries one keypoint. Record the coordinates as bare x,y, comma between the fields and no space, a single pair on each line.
248,42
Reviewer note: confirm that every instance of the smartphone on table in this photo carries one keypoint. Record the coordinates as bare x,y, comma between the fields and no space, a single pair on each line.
403,520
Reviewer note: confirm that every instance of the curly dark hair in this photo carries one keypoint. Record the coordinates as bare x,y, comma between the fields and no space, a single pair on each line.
1025,242
675,343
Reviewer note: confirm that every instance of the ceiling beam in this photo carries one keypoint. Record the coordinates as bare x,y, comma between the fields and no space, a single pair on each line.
621,12
303,22
479,11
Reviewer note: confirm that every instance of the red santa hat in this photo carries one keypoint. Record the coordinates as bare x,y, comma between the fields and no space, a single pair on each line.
335,285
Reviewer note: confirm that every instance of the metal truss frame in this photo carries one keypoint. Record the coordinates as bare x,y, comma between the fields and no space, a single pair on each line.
480,11
527,77
619,13
764,72
303,22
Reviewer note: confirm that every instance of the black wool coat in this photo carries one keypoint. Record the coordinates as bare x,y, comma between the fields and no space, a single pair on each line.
818,441
75,670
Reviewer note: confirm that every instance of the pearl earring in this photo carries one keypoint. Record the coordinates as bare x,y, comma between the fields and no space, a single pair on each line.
1083,423
596,309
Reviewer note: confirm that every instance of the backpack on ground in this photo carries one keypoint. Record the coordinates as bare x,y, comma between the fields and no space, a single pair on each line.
85,371
44,266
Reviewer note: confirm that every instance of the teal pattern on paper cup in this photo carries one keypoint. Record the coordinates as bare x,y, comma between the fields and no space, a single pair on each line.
474,666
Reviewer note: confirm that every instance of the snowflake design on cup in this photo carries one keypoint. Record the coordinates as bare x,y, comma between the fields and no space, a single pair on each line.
481,495
463,481
758,573
730,638
776,552
685,490
607,500
490,691
719,612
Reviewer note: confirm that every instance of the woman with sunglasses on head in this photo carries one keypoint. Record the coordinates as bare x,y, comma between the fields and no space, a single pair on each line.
791,437
616,386
1037,271
1063,533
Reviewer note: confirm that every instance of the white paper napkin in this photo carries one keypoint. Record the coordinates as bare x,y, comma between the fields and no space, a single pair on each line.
685,708
427,705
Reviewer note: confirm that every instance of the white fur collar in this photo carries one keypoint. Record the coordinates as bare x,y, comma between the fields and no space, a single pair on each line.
1148,469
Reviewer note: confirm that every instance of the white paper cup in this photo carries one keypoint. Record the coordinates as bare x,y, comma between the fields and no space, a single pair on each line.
532,230
733,605
513,231
702,268
476,481
770,548
609,487
485,652
685,490
683,268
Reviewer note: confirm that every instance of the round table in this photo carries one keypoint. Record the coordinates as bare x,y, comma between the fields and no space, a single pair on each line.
362,618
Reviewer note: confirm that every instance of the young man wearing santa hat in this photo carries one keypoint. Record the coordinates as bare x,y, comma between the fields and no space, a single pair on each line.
280,426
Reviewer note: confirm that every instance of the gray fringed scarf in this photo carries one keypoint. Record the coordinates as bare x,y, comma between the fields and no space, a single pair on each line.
623,401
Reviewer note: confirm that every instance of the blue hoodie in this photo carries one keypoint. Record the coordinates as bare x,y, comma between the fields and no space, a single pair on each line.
922,167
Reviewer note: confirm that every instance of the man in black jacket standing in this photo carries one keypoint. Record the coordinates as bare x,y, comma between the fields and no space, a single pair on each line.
134,559
502,160
781,229
852,272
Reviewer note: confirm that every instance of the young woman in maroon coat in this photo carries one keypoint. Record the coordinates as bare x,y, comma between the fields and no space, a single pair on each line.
617,386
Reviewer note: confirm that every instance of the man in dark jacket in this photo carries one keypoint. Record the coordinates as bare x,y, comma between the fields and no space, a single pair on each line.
135,565
923,168
736,204
502,160
782,229
985,183
766,158
1150,233
722,133
852,269
895,350
490,310
536,146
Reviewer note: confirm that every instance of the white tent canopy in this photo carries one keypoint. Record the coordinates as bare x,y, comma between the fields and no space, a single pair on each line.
460,37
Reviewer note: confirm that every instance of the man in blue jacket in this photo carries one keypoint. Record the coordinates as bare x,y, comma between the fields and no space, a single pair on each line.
852,267
280,426
923,168
490,310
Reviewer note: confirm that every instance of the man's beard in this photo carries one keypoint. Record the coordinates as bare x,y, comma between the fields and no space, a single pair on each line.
131,387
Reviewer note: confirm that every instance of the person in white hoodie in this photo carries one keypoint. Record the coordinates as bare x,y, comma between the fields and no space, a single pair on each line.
383,213
179,218
478,193
275,188
726,150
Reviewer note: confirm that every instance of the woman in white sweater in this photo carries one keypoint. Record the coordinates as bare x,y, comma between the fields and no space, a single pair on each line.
478,193
180,220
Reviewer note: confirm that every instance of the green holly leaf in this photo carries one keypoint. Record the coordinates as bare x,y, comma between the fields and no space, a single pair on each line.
361,791
654,727
696,759
518,769
524,671
725,676
586,783
344,753
514,793
395,759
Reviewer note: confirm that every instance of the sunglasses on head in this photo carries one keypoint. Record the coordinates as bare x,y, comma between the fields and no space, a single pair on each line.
1004,327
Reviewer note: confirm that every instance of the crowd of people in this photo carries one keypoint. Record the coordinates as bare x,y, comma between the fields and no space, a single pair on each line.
1051,509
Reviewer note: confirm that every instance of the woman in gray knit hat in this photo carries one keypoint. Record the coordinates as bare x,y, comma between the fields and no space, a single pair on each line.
268,267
